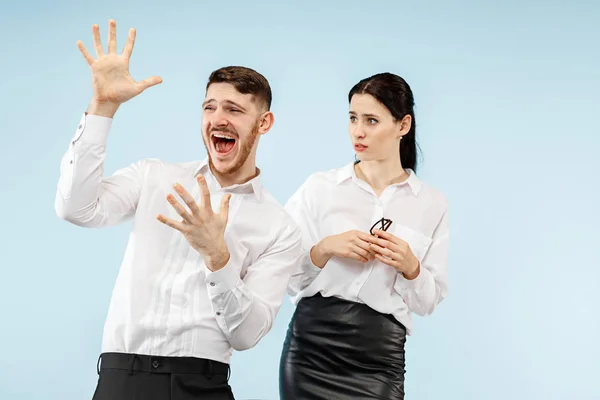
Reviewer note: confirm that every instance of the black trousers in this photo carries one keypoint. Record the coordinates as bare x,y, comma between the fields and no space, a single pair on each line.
341,350
142,377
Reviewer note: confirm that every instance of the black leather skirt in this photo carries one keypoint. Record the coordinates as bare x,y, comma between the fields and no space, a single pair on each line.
338,350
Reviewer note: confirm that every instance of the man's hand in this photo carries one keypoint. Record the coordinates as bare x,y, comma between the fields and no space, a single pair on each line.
395,252
203,229
111,81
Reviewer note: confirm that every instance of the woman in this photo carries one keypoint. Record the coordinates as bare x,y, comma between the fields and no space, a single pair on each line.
376,244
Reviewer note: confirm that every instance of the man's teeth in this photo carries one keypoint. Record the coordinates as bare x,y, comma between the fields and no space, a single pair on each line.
223,137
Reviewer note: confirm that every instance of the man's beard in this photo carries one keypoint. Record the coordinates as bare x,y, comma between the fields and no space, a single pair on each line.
244,150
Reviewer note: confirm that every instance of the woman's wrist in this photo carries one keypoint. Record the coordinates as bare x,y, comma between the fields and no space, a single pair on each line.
319,254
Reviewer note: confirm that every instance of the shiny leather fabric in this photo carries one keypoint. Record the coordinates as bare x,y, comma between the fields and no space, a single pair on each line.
340,350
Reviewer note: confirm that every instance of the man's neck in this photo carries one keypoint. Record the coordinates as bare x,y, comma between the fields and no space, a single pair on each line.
241,176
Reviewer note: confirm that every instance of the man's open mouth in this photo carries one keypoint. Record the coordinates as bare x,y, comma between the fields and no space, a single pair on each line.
223,142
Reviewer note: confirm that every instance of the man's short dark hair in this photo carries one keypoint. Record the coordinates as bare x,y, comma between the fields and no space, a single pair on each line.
246,81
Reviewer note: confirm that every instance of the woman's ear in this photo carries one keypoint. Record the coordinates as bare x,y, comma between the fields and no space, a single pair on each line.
404,125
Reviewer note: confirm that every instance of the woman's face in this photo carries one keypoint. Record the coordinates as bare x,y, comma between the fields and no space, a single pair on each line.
374,132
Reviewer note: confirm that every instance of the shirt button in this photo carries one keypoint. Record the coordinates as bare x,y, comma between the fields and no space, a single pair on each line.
212,284
80,126
155,364
218,313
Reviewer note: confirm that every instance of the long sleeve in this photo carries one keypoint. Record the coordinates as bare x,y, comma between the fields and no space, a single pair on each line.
246,308
298,207
427,290
84,196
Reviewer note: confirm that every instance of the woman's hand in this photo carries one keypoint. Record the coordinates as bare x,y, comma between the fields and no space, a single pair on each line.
353,245
395,252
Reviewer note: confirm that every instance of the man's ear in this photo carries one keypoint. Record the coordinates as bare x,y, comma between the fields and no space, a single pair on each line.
266,122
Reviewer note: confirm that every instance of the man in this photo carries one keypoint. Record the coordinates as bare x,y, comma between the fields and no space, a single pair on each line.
211,251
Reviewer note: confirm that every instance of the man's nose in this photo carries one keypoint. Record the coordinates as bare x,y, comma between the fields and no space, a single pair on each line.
218,119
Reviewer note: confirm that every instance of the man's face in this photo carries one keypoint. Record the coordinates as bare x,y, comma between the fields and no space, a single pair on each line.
230,127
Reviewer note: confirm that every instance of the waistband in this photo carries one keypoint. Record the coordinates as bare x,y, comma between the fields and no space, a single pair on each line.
161,365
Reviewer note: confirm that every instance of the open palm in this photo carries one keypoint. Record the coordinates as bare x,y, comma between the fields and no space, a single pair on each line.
111,80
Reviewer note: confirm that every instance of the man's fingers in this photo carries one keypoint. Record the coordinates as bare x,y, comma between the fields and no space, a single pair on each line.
97,41
149,82
179,208
88,57
205,203
112,37
225,207
128,48
169,222
187,198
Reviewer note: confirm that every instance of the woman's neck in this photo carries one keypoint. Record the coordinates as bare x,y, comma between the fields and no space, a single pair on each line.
380,174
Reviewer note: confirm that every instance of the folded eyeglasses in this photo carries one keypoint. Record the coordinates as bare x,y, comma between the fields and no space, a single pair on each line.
383,224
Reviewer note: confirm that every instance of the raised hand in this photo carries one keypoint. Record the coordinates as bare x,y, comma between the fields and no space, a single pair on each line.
352,244
202,227
111,81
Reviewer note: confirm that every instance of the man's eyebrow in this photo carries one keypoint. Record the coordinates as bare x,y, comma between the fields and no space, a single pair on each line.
235,104
228,102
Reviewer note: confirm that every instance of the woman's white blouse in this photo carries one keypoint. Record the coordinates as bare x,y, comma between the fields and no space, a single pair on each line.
336,201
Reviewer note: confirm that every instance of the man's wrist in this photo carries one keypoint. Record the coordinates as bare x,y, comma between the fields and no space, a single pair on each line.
102,109
218,260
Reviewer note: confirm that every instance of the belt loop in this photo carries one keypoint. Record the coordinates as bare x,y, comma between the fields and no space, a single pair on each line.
98,364
131,362
210,369
228,371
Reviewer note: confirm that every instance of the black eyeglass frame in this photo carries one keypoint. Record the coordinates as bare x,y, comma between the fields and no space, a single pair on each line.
385,225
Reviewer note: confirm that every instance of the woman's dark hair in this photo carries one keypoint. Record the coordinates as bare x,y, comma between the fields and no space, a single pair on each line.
395,94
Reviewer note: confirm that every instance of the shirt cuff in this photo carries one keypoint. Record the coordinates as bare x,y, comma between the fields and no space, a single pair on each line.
225,279
415,285
309,267
93,129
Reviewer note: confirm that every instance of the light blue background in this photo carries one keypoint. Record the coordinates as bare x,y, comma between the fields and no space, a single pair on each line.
507,102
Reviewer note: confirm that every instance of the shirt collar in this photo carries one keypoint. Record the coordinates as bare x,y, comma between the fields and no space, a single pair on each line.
415,184
254,184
